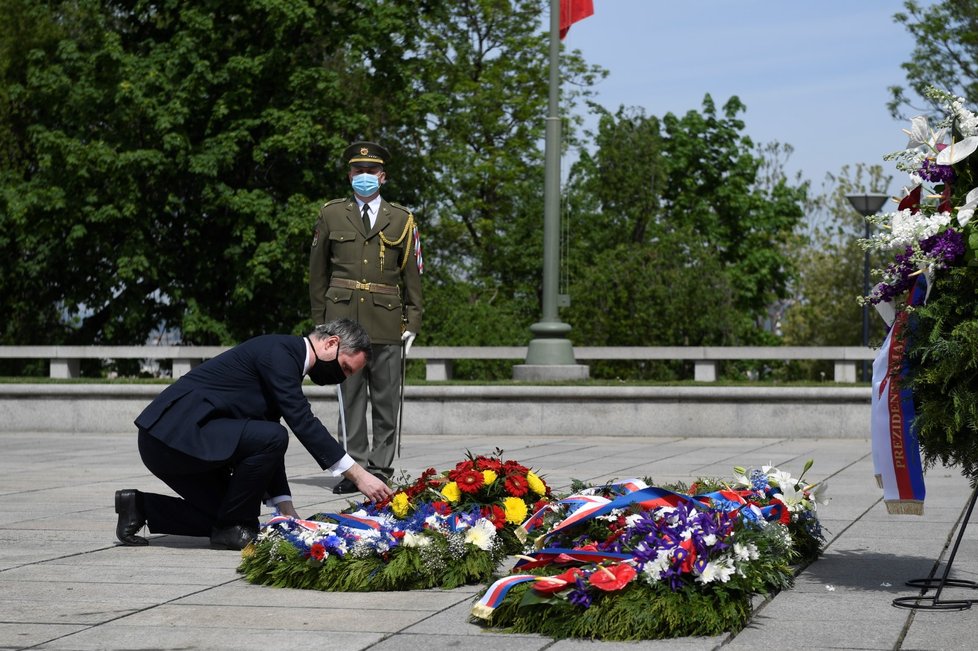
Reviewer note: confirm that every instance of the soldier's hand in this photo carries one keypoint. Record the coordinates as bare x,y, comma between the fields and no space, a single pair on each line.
407,338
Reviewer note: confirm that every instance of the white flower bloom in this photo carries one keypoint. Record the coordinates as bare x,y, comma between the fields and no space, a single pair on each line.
957,151
719,570
779,477
652,571
710,539
967,211
921,135
412,539
967,122
745,553
818,495
907,228
481,534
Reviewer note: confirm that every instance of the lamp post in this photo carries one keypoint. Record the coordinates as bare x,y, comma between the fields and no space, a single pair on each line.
866,204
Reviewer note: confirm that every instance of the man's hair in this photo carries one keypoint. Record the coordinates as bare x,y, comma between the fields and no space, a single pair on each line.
353,338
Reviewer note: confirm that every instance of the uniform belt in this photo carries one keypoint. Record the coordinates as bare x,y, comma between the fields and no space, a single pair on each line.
376,288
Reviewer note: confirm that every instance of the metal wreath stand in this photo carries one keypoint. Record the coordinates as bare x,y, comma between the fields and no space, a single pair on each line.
934,602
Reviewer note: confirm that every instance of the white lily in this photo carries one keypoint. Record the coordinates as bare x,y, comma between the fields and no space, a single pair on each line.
957,151
921,135
967,211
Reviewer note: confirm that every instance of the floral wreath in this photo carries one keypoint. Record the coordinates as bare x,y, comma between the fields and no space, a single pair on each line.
932,280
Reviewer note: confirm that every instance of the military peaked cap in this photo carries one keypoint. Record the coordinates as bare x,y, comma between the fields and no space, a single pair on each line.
365,154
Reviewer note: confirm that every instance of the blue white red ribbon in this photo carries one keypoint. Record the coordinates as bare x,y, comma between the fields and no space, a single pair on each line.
496,593
896,451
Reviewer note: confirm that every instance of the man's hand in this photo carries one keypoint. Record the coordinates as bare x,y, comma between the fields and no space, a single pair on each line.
374,489
288,509
407,338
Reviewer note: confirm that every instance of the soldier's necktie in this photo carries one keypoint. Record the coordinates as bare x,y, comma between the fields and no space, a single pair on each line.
366,217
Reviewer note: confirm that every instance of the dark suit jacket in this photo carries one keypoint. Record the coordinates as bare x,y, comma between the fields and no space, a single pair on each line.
260,379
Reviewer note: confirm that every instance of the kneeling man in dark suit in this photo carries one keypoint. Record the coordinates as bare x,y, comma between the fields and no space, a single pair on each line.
214,436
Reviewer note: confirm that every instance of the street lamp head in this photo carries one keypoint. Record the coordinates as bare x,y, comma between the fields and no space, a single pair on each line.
868,203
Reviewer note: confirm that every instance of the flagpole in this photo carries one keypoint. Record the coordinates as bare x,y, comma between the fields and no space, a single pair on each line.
550,355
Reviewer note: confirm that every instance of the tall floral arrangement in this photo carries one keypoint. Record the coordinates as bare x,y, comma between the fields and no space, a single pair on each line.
442,530
933,241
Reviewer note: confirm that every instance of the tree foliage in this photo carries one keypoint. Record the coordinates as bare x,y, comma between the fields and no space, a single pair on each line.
167,159
162,163
945,52
823,308
675,239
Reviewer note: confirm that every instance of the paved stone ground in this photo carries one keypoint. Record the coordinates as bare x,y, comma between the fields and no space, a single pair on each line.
65,584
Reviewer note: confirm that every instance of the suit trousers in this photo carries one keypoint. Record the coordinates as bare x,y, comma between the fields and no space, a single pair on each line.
381,382
215,493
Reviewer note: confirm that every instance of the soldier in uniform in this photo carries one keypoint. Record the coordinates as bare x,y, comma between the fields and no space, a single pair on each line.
365,264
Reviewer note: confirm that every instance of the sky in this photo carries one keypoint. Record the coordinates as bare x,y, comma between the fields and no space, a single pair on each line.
812,73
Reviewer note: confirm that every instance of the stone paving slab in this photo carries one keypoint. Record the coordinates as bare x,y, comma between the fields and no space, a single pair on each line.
65,584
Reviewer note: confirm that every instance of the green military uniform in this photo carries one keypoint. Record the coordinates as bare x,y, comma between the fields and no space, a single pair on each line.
375,278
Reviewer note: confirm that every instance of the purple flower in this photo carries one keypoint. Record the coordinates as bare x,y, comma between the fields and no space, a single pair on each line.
579,596
945,247
935,173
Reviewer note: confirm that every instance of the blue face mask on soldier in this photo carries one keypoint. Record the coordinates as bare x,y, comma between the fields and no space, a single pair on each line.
365,184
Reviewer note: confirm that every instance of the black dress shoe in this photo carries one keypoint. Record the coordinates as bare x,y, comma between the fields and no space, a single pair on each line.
234,537
131,518
345,487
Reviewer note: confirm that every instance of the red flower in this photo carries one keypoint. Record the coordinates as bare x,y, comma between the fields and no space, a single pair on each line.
442,507
540,504
494,514
397,534
516,485
470,481
462,466
487,463
554,584
512,467
689,557
317,551
612,578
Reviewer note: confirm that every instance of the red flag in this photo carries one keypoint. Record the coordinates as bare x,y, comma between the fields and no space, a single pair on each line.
572,11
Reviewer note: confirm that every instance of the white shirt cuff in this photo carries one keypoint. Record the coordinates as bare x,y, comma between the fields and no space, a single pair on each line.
341,466
274,501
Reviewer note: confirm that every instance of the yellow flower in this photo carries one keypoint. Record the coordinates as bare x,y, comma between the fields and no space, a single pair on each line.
515,509
400,505
536,484
488,476
451,492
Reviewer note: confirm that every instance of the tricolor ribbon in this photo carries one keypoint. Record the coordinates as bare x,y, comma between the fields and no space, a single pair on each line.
496,593
896,452
566,556
648,498
354,521
311,525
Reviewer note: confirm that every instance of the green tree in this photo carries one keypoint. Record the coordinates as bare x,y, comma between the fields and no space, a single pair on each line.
680,241
484,85
945,53
166,160
824,309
